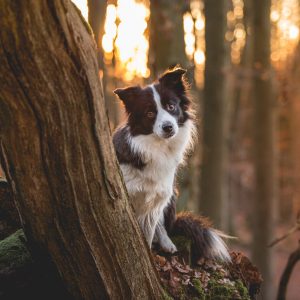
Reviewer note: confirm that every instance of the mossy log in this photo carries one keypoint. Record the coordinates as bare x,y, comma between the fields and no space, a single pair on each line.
21,277
207,279
9,217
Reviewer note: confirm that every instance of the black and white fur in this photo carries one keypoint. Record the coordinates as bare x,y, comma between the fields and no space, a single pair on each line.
150,146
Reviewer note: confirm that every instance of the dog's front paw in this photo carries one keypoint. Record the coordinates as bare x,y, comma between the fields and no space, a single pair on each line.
168,246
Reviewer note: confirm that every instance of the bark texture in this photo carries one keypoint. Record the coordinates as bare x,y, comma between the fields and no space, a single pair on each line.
213,178
57,154
264,144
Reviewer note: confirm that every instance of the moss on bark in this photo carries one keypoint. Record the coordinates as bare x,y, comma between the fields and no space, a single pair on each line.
14,252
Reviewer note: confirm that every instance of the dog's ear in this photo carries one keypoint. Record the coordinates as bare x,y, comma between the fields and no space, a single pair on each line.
128,95
174,79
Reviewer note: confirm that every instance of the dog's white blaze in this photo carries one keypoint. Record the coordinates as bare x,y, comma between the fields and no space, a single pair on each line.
162,116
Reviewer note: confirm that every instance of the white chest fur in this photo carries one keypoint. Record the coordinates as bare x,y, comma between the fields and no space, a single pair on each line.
152,187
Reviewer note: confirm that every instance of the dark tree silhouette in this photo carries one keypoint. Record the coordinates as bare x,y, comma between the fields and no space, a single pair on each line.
213,176
264,144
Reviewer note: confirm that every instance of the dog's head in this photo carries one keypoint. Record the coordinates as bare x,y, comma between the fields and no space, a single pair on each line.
161,108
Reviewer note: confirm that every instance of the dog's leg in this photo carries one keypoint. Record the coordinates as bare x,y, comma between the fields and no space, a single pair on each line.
148,216
162,238
148,224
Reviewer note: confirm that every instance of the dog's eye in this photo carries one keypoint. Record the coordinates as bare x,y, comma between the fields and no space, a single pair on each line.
170,107
150,114
185,107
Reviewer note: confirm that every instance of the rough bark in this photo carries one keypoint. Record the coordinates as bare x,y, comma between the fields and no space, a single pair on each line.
58,157
264,150
167,47
213,178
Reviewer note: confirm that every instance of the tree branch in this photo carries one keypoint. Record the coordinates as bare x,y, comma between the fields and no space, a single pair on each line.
285,277
283,237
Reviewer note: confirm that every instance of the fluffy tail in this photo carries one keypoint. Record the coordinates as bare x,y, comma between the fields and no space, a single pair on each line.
206,241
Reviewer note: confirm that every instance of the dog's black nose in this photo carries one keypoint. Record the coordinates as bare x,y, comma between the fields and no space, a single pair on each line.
167,127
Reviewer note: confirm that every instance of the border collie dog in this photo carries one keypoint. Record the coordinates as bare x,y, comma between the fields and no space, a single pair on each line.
150,146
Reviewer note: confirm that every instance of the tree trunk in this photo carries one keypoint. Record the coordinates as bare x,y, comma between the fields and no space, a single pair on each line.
264,150
213,177
241,127
58,157
167,47
292,82
97,12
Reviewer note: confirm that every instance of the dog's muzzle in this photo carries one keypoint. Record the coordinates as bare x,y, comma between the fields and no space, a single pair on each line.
168,130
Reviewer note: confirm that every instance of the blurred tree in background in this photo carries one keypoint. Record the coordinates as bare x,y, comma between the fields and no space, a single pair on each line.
264,143
96,19
166,40
215,114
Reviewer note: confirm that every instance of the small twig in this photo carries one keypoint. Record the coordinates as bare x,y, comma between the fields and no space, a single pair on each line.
290,232
285,277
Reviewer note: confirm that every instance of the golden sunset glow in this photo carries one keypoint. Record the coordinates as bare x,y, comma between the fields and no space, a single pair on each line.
131,44
125,38
189,36
194,25
236,33
285,33
110,32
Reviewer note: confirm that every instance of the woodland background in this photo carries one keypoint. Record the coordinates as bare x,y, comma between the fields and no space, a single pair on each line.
243,59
